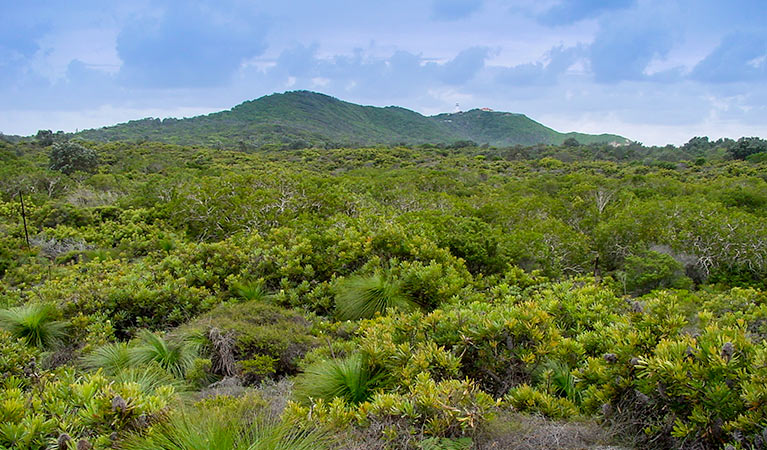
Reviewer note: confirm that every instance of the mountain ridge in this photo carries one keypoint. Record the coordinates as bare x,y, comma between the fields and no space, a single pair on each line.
305,118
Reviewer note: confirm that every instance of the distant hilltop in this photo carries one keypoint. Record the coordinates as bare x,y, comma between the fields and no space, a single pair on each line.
304,118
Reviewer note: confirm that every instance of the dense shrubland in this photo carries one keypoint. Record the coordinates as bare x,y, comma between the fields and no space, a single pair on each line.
413,298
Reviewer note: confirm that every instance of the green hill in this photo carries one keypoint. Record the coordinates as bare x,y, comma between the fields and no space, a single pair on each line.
303,118
503,128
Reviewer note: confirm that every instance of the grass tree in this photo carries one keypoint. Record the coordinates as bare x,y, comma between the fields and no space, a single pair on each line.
352,379
112,358
250,291
361,297
175,356
149,378
35,323
211,430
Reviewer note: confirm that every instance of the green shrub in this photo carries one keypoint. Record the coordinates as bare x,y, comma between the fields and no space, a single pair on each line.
52,215
6,260
92,407
200,374
256,369
737,275
468,238
704,389
654,270
580,305
122,292
527,399
497,345
430,285
450,408
757,158
15,355
259,331
736,307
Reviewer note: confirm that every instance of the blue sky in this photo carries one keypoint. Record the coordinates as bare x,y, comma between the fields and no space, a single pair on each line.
653,70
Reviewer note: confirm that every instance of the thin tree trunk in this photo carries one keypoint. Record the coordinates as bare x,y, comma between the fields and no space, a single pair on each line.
24,219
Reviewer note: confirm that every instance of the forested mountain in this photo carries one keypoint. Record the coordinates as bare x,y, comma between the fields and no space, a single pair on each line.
303,118
504,129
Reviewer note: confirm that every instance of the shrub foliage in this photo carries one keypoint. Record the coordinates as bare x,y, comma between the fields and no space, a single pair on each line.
397,297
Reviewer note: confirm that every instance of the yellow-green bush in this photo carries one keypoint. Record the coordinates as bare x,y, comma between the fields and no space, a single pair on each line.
497,345
527,399
450,408
35,413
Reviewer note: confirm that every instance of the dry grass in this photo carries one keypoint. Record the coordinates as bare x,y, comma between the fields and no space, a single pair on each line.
229,386
372,437
508,431
523,432
277,395
52,247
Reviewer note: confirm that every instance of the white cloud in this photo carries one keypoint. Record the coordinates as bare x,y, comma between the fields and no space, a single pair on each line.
27,122
58,67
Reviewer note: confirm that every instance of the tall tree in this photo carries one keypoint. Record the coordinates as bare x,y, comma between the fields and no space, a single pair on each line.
748,146
69,157
44,137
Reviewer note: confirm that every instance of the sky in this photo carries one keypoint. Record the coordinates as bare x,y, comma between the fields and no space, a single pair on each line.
656,71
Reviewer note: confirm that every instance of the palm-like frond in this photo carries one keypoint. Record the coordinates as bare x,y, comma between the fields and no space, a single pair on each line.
559,379
362,297
351,379
205,431
149,378
270,436
35,323
174,356
112,358
250,291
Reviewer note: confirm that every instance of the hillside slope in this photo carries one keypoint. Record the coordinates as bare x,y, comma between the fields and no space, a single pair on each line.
303,118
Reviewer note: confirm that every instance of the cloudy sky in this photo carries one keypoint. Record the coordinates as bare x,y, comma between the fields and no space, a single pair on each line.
656,71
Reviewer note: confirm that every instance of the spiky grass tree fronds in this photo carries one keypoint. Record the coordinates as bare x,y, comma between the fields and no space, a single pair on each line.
112,358
35,323
250,291
185,432
213,431
351,379
265,435
559,380
149,378
175,356
361,297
